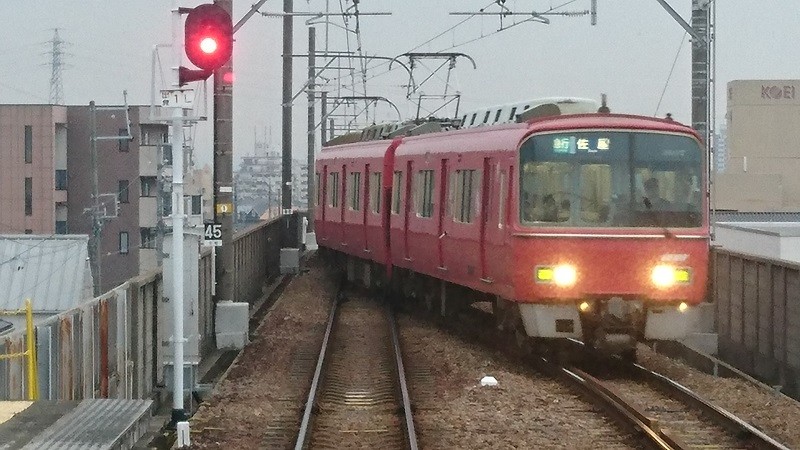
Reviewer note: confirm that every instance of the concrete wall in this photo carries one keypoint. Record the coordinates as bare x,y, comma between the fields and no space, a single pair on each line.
758,316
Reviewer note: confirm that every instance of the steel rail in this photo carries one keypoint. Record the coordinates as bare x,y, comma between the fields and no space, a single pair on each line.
315,383
635,418
401,376
755,437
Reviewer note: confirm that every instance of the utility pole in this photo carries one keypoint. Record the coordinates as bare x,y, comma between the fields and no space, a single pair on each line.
98,211
94,243
323,112
286,141
223,171
312,42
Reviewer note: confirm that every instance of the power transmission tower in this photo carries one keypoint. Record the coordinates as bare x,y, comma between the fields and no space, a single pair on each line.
57,65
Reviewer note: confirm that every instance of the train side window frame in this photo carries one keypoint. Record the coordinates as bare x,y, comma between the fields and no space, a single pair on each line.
464,199
318,188
424,193
334,189
355,191
501,206
375,192
397,185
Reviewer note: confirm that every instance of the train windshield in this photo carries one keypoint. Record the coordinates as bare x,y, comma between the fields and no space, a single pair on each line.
611,179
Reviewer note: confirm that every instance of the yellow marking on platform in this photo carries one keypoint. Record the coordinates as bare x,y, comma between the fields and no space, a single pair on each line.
10,409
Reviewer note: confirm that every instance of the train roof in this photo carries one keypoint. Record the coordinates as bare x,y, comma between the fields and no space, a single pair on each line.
507,135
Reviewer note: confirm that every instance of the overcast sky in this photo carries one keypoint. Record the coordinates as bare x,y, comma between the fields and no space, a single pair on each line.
628,54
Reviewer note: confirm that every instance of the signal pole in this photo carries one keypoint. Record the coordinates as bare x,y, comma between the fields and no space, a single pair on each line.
286,141
223,171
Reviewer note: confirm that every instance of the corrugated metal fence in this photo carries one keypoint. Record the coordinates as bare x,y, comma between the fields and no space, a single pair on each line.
758,316
110,346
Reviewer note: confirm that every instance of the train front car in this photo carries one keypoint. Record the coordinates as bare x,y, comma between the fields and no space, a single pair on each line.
612,240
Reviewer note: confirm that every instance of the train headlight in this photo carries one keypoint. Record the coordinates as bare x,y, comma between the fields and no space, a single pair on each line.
665,276
562,275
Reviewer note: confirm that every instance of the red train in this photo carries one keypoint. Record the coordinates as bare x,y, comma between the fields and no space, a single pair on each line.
587,226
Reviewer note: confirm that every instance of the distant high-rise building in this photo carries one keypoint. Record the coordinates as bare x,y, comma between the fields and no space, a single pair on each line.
762,162
721,150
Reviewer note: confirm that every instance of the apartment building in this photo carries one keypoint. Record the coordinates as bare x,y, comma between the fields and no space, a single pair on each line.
33,169
46,181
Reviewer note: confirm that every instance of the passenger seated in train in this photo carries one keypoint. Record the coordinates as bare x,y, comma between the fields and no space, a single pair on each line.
652,196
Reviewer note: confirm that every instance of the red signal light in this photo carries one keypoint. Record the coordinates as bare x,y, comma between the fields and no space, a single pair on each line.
208,36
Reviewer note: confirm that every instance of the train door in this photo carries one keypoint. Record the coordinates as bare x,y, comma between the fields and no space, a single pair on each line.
496,232
343,206
323,203
366,205
486,206
443,206
407,210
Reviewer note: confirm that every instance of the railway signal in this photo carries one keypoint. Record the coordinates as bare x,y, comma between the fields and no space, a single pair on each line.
208,41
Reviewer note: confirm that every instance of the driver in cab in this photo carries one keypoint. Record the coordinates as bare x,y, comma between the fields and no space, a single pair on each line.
652,196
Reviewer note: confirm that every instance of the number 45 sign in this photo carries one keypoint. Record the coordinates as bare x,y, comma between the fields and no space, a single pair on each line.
212,234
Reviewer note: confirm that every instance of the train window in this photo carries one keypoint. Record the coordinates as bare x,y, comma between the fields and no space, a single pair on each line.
355,191
497,116
334,189
513,113
472,122
464,184
595,193
424,193
397,186
375,192
486,117
546,188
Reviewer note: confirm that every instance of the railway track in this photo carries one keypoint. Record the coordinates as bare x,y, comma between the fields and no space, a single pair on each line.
668,414
358,396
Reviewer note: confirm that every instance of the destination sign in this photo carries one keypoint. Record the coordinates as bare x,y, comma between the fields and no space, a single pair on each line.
573,144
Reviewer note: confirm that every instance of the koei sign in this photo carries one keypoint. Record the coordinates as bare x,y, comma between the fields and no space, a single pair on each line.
778,92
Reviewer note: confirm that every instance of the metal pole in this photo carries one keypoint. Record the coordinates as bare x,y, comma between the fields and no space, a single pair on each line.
286,173
223,172
323,112
31,352
94,257
312,40
179,417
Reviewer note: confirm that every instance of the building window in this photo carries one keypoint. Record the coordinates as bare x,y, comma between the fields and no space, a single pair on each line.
28,231
124,144
397,184
334,189
486,117
167,203
148,236
375,192
61,227
197,204
122,194
148,186
123,242
28,144
424,193
513,113
28,196
61,180
166,154
497,116
355,191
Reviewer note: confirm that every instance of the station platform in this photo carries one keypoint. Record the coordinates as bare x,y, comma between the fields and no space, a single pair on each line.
87,424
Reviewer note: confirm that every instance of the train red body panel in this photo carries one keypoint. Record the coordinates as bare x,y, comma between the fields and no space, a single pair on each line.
571,218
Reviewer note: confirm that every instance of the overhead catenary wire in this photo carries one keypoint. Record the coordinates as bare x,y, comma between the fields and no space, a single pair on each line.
669,76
